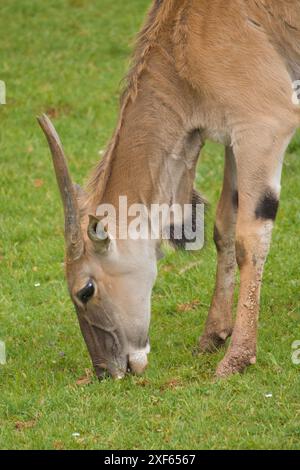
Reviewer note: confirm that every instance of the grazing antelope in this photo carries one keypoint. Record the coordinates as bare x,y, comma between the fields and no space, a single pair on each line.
202,69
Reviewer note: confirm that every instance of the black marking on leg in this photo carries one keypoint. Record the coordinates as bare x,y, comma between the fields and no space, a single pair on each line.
235,199
267,206
180,243
217,238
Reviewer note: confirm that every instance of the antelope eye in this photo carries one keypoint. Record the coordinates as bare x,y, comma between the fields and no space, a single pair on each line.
85,294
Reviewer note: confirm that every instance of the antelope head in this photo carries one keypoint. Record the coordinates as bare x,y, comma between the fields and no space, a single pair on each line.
110,281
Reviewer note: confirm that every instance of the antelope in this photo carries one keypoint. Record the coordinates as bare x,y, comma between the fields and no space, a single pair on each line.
202,69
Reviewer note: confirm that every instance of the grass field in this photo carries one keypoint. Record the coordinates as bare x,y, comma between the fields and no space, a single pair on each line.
66,58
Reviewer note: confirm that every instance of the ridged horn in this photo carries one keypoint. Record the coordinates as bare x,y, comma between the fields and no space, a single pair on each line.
73,233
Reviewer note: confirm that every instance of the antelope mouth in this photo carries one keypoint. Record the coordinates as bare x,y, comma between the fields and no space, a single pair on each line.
136,363
104,372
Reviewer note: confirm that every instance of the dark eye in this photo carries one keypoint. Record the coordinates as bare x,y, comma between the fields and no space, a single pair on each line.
85,294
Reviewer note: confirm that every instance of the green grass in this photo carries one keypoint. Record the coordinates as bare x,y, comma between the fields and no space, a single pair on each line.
67,57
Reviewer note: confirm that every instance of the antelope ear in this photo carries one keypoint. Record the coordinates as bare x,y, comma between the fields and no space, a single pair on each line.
97,233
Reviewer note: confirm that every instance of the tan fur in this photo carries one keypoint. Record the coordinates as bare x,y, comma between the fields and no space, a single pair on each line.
205,69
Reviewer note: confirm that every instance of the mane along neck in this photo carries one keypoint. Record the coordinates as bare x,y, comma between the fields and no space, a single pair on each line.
147,40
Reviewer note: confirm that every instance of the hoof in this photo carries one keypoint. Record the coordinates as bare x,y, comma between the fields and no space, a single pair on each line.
211,342
234,364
